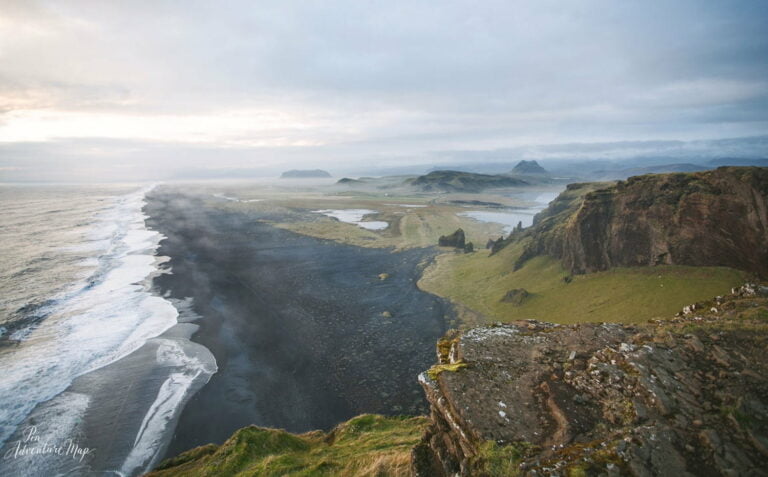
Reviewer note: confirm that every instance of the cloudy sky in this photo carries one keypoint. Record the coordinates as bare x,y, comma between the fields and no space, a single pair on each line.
151,88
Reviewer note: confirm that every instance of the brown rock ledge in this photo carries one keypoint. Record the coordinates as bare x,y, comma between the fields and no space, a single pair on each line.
682,397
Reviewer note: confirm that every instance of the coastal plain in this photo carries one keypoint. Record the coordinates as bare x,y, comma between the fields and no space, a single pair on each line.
476,283
341,293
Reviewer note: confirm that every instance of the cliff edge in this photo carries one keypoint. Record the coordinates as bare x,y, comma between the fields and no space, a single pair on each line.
710,218
683,397
686,397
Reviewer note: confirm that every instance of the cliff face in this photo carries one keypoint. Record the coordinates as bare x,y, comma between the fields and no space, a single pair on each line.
685,397
714,218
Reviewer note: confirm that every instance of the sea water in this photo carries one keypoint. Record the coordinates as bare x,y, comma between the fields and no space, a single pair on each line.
355,216
510,218
76,300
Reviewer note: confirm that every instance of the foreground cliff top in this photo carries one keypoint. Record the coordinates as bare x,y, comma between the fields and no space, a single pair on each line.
684,397
365,445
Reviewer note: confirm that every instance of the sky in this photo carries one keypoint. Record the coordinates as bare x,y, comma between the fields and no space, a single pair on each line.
158,89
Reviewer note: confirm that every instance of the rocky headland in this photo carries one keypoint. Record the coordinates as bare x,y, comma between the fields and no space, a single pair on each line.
710,218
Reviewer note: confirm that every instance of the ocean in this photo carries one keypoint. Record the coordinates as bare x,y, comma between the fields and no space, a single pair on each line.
95,366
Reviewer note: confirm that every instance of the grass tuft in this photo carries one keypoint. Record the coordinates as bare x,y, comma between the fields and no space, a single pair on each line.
435,370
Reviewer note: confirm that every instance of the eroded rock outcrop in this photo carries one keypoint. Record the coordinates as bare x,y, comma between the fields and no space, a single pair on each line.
686,397
711,218
456,239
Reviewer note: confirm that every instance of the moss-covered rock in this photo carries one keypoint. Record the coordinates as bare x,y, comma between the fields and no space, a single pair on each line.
516,296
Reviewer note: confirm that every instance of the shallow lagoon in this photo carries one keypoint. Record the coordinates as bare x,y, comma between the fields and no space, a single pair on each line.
355,216
509,218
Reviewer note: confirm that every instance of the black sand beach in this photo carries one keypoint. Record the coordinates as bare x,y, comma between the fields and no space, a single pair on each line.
297,324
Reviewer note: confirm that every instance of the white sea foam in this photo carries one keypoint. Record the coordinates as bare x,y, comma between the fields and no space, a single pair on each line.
193,365
354,216
111,315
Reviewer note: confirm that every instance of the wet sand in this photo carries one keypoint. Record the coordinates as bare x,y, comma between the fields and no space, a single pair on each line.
296,323
104,411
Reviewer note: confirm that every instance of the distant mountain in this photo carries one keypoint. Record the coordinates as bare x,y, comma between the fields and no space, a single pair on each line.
457,181
528,167
349,181
305,174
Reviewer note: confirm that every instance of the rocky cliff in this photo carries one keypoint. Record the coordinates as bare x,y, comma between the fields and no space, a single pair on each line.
713,218
687,397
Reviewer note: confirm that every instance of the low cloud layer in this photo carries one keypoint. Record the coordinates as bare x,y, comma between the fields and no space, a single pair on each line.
105,90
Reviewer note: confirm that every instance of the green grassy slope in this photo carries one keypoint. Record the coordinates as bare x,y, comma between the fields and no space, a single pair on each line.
365,445
624,295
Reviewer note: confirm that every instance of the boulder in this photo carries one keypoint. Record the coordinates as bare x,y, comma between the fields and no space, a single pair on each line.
516,296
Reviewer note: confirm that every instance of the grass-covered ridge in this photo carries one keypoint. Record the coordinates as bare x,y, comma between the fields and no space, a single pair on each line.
624,295
459,181
365,445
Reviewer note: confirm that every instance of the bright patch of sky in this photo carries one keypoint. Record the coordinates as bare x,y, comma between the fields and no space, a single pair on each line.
101,89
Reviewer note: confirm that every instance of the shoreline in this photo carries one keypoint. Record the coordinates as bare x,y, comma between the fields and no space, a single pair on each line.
126,363
304,332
